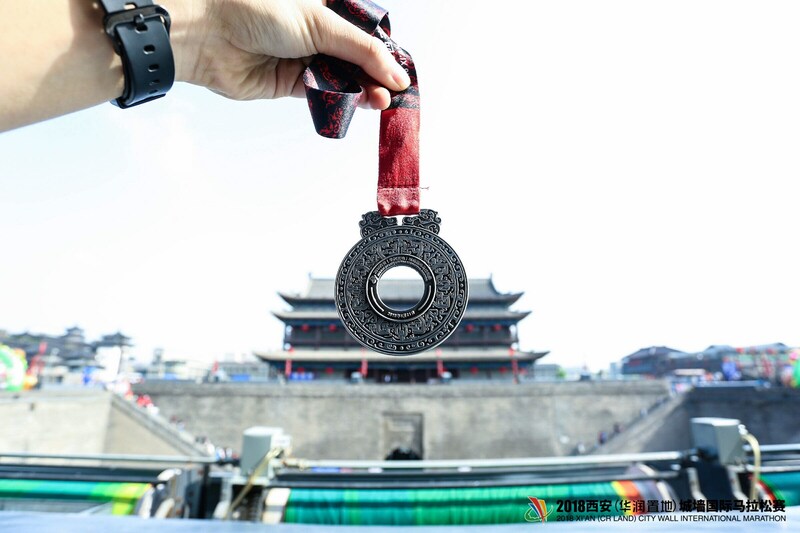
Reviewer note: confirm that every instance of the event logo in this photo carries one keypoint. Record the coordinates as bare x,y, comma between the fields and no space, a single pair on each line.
538,511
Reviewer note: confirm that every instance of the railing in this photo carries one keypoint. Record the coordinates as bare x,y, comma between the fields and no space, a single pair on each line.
113,457
493,463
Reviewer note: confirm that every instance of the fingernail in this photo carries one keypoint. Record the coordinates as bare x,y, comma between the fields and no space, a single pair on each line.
400,76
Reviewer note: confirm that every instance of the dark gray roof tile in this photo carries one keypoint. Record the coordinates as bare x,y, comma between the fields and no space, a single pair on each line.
480,289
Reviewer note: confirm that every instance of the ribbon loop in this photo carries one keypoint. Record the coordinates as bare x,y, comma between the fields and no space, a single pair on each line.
334,89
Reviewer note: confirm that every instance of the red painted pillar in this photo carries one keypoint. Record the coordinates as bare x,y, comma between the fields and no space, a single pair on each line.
364,367
287,369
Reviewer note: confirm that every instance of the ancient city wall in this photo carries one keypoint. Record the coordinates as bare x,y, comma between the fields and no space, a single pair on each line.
366,421
772,415
45,422
84,421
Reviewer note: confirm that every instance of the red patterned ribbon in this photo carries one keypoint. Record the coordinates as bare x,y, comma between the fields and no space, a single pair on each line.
333,90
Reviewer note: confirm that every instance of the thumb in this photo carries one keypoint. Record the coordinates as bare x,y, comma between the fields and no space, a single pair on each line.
336,37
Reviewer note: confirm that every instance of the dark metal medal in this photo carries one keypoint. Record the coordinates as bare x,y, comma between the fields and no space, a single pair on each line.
414,244
333,89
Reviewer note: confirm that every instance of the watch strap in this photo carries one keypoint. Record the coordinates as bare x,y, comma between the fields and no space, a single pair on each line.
141,38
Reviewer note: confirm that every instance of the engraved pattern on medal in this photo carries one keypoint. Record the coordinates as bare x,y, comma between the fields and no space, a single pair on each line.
373,221
426,219
431,327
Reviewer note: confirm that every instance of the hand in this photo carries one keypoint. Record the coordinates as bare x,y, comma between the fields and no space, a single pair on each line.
251,49
56,59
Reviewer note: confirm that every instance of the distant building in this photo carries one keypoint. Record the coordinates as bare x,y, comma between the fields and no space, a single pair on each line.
654,361
70,349
753,362
549,372
317,346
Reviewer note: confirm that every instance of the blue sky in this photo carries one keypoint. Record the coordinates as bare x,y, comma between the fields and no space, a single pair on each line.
632,167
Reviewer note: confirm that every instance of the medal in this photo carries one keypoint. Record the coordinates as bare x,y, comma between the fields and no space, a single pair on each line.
333,89
414,244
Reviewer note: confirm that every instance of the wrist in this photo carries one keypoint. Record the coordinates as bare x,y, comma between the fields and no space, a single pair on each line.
187,34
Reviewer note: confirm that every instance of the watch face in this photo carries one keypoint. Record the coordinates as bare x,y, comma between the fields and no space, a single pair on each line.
385,245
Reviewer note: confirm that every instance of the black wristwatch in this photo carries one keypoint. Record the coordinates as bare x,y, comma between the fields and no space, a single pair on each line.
141,38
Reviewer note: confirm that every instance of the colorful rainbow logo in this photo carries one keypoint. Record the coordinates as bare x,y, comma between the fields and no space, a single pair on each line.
627,490
538,511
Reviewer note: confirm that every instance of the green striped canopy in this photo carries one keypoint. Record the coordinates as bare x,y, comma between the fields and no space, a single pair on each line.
123,496
447,506
784,485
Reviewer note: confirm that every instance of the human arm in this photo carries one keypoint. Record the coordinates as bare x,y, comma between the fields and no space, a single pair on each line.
55,57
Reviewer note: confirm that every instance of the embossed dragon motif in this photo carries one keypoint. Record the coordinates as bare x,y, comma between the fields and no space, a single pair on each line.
373,221
427,219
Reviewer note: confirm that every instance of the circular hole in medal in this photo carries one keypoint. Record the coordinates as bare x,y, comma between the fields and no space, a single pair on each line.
401,288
